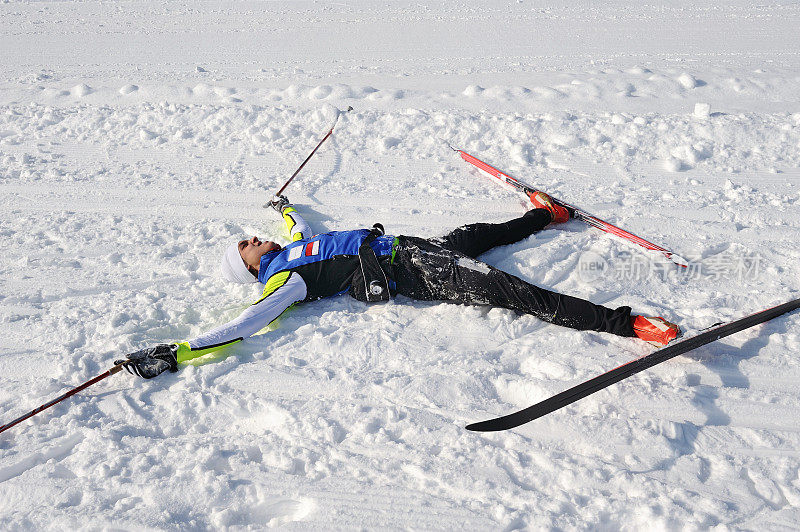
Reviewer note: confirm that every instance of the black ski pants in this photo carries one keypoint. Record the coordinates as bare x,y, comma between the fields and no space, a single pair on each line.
445,268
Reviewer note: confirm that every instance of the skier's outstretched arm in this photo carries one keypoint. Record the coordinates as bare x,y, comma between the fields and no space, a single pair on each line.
281,291
298,228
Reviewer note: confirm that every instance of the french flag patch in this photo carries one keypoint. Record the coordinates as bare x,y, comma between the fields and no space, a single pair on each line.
306,250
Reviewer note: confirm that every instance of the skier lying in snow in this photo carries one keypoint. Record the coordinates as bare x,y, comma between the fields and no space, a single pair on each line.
371,266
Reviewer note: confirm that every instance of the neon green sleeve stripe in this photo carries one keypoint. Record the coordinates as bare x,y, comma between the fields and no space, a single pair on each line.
394,249
273,283
287,218
185,351
291,224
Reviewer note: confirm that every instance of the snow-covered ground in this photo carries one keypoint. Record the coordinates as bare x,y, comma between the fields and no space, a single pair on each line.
137,139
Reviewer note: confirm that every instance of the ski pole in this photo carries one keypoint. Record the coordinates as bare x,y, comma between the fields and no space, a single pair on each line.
330,132
575,212
95,380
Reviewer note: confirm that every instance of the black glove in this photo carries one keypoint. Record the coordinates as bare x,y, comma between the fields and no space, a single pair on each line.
279,203
151,361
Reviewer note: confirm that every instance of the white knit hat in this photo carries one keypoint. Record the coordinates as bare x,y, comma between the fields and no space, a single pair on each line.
233,268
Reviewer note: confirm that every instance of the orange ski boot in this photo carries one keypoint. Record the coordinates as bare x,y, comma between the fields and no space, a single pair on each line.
541,200
656,331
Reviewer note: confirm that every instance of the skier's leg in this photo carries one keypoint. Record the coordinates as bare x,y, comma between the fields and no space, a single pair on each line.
505,290
474,239
423,270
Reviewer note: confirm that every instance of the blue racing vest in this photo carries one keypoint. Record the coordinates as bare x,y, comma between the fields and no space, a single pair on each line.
326,262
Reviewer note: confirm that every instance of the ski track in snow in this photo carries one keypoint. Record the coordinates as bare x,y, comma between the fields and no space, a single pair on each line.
125,171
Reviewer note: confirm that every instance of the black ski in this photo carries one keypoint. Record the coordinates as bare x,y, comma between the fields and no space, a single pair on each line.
626,370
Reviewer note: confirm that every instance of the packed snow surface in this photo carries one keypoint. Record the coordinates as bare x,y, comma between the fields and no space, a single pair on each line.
137,139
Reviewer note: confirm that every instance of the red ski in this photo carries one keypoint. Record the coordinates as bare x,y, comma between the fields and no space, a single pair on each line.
575,212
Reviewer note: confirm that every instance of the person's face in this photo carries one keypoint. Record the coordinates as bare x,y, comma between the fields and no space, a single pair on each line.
252,250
